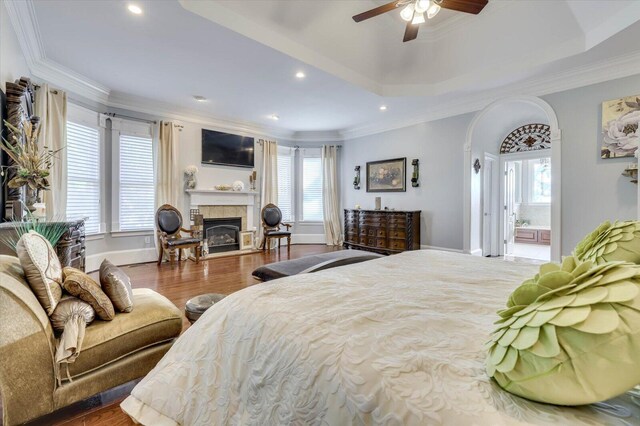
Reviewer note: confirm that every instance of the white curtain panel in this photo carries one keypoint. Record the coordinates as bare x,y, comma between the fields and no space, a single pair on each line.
167,175
330,196
269,184
51,107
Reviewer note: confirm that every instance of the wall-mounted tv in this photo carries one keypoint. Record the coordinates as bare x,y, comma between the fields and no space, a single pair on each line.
226,149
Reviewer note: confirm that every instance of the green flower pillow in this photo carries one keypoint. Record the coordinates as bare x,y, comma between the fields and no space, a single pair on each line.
571,335
620,241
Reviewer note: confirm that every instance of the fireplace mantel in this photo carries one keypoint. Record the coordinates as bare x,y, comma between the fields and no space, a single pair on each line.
215,197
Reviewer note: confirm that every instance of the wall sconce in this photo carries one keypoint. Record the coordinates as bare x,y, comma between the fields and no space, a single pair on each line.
416,173
356,179
477,166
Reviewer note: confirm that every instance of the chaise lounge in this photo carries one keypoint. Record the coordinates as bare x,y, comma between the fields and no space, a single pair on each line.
114,352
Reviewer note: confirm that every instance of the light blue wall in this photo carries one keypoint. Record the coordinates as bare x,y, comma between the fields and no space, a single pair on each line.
592,188
439,147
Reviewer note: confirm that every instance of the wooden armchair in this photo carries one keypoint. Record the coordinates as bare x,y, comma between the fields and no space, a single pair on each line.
271,222
169,229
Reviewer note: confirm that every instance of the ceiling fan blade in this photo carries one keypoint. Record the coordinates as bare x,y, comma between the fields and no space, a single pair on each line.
410,32
468,6
377,11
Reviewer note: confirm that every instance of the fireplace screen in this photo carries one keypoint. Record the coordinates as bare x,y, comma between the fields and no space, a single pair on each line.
222,234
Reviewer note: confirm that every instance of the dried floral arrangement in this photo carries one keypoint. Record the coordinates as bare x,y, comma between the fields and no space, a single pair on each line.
32,163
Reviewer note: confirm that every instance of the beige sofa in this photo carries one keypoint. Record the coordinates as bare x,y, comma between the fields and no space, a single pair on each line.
113,352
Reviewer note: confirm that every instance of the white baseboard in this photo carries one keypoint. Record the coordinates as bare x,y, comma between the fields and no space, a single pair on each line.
308,239
425,247
476,252
130,257
122,257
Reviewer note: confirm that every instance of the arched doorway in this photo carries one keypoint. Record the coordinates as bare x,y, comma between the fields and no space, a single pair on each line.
484,136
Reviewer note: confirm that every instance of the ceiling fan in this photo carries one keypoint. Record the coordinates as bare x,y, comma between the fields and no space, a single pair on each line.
414,11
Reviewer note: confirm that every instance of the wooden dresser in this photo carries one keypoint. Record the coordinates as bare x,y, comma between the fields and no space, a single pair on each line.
70,248
382,231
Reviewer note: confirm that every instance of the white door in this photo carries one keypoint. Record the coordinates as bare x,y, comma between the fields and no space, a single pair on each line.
509,207
488,198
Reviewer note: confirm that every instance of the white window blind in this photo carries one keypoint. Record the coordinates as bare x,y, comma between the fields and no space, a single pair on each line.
83,175
312,189
136,197
285,184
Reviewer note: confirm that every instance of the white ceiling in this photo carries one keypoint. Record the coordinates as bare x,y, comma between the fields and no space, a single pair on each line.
242,55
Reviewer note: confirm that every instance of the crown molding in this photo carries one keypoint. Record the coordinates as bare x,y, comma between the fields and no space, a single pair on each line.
169,111
317,136
611,69
25,23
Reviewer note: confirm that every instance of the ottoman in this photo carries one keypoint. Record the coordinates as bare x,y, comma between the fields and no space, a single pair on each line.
196,306
314,263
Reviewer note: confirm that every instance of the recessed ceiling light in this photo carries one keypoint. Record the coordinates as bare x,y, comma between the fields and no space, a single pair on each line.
274,117
300,75
383,108
134,9
200,98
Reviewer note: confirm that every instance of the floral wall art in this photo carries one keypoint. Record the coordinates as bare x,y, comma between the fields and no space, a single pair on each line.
387,175
620,133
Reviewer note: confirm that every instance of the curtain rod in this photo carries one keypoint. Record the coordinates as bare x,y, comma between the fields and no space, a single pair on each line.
261,142
313,147
54,91
113,114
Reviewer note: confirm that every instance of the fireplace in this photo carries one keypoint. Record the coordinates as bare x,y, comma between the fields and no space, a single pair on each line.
222,234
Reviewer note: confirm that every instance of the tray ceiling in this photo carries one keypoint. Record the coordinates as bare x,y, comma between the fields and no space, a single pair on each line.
242,56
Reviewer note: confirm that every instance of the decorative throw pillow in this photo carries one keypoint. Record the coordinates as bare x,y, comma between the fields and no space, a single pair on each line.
67,308
571,335
620,241
42,269
81,285
117,286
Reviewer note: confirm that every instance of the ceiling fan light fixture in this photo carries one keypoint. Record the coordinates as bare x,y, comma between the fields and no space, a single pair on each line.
422,6
418,18
407,13
433,10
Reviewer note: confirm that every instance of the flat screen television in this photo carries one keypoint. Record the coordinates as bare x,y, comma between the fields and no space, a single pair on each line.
226,149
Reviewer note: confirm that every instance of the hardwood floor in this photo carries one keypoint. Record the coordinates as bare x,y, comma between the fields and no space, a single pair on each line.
178,283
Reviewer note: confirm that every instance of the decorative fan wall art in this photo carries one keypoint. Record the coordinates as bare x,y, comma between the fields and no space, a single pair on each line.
530,137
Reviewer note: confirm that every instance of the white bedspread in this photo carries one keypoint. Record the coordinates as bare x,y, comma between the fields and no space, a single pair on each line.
394,341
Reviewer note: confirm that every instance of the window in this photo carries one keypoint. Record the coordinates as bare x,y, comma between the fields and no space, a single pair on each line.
312,210
540,181
285,183
133,187
83,151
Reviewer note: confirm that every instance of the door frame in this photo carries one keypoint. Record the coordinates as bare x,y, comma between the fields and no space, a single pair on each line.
520,156
494,208
556,171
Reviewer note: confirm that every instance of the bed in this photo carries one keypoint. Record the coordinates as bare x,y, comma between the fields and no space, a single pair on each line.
393,341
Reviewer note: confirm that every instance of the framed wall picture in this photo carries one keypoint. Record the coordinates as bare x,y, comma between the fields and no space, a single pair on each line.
387,175
246,240
620,120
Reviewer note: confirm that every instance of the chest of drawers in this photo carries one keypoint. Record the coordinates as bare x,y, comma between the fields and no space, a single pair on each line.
382,231
70,248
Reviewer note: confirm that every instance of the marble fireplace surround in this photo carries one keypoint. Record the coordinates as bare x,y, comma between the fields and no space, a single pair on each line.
215,204
223,212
